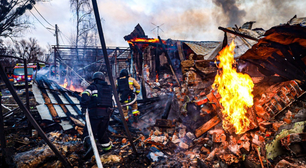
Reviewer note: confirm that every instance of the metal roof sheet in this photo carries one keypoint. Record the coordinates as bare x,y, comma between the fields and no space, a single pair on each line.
198,49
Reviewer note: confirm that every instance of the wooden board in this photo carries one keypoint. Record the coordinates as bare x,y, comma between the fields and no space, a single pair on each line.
207,126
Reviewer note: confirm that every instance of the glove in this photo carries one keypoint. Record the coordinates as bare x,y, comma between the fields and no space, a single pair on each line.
137,92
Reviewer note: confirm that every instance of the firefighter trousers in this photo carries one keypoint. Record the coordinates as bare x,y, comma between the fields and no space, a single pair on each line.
99,128
134,110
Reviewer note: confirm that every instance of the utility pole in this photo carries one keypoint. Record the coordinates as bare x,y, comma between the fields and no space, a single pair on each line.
109,72
56,48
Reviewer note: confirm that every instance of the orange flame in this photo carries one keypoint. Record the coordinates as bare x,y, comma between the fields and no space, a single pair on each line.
65,84
145,40
71,87
235,90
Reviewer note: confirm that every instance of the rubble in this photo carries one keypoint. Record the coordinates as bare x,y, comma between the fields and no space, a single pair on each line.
295,143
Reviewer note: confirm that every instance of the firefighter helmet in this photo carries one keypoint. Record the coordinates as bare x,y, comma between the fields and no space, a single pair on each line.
98,75
124,72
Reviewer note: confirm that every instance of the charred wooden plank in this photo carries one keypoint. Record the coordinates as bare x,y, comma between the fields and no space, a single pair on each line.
76,109
293,58
287,66
207,126
280,65
180,51
48,102
296,58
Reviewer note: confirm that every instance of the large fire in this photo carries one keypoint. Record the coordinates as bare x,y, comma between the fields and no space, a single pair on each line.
235,90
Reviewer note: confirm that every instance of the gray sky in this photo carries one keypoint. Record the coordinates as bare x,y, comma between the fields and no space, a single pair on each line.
196,20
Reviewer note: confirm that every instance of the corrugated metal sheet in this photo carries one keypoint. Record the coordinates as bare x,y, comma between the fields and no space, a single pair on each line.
242,44
44,111
124,55
203,48
298,21
198,49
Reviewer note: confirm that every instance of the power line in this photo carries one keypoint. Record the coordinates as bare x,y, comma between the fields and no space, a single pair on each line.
41,23
62,39
42,16
67,39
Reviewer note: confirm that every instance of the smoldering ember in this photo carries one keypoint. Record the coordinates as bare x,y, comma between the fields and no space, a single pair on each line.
239,102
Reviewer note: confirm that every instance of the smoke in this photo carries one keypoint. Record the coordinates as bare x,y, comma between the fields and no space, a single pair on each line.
269,13
266,13
182,20
231,14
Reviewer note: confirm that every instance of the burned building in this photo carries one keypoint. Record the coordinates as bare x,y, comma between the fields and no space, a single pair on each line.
203,104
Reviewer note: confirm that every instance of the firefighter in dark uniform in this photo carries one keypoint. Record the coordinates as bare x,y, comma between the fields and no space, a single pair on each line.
98,99
125,88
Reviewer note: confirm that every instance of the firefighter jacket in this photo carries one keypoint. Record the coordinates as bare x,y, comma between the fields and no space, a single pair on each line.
97,98
125,87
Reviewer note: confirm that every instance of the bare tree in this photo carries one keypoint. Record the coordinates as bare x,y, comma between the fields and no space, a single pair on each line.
6,49
29,50
2,47
10,21
84,19
87,33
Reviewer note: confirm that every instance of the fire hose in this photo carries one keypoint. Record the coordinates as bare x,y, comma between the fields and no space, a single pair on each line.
130,103
93,142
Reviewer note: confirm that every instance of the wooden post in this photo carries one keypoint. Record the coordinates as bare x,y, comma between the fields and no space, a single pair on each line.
157,61
26,82
180,51
143,87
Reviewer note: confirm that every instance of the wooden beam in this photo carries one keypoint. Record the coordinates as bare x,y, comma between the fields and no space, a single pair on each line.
207,126
180,51
237,34
48,102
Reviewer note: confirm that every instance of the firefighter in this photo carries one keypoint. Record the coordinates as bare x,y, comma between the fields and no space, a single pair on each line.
125,87
98,99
